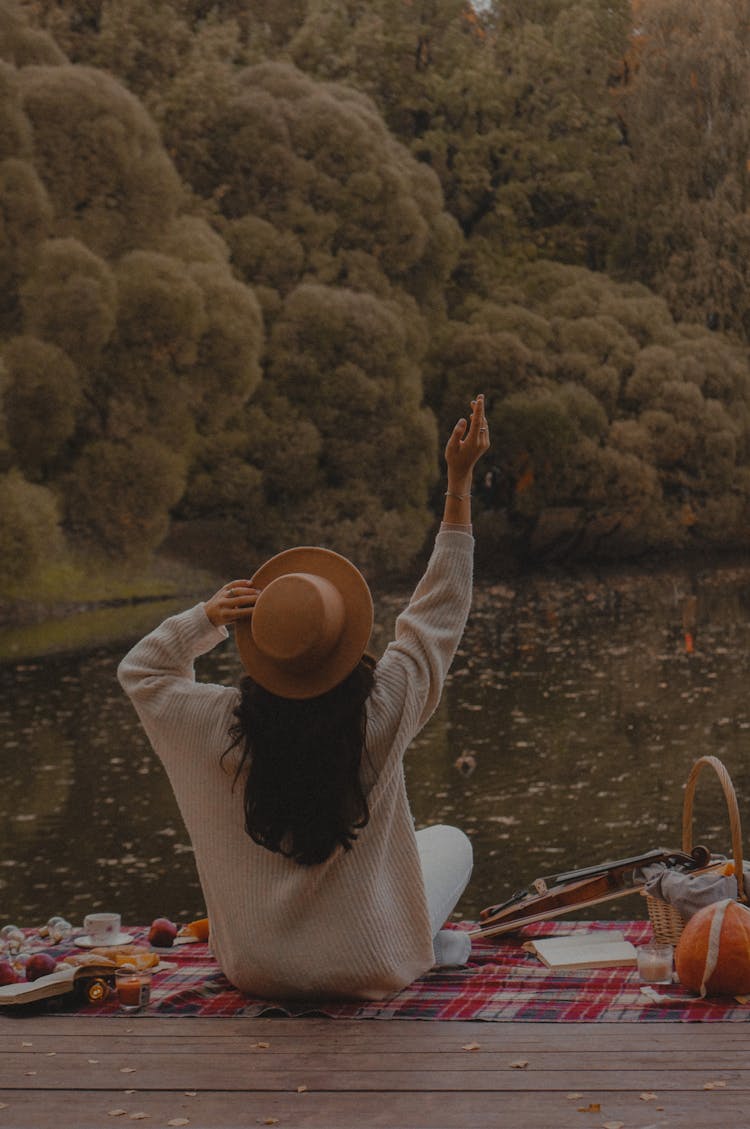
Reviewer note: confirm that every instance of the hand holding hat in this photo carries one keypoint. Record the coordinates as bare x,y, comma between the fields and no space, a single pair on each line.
233,602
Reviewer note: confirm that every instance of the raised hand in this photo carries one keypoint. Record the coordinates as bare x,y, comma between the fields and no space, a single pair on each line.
467,444
232,602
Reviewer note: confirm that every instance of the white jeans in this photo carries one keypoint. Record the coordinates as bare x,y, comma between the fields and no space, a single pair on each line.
447,857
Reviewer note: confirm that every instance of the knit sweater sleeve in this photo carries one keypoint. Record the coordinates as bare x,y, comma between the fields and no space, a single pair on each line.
411,672
158,674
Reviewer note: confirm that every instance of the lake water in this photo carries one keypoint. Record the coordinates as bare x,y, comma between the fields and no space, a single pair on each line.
573,713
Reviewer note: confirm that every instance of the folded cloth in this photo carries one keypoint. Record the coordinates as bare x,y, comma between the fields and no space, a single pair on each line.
688,893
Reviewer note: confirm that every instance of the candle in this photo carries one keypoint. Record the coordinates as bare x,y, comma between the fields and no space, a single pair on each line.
655,963
133,988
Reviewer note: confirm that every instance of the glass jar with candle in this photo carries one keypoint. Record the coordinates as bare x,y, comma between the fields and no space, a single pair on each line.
655,963
133,987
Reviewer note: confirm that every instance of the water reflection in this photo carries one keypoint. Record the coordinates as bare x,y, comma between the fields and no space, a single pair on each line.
571,718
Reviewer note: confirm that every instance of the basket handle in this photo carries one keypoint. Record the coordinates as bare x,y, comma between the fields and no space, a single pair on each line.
734,816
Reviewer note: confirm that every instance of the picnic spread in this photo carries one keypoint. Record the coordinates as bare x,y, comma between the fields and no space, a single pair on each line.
524,965
502,982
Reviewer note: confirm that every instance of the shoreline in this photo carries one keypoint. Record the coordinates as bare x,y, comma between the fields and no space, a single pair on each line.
34,630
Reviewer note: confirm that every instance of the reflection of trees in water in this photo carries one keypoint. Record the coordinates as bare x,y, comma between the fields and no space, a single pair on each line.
105,823
573,698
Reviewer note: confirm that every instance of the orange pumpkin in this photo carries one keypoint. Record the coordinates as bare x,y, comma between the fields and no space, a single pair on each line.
713,953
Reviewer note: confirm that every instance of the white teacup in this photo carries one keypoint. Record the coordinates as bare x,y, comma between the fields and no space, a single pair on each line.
102,928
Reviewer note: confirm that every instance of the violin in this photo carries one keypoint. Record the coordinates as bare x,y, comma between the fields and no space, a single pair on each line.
572,890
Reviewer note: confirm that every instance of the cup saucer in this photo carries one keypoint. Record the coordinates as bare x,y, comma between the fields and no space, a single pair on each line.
91,943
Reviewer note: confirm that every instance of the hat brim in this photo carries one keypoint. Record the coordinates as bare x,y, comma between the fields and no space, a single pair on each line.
352,642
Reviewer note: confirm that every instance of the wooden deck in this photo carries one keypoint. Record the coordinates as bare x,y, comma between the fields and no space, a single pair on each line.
77,1073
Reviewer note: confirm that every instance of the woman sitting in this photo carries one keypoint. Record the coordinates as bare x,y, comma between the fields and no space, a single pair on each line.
292,788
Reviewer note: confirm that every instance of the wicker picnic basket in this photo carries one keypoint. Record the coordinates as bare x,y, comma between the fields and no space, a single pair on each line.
667,922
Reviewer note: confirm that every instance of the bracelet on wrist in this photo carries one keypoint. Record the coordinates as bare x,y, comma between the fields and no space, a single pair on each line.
451,494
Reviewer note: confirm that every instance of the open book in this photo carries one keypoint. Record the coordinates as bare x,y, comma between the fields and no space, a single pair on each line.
601,949
56,983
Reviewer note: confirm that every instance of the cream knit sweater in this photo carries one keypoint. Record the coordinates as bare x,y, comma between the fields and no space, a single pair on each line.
355,926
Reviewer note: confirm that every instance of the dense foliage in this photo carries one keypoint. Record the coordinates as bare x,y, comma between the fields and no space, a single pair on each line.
255,257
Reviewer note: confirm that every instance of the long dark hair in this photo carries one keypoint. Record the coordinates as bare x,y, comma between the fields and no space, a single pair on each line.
301,761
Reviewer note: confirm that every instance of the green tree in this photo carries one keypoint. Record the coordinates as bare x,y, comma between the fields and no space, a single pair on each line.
510,107
69,298
124,334
29,527
41,395
316,208
686,118
99,157
615,429
119,494
273,233
343,235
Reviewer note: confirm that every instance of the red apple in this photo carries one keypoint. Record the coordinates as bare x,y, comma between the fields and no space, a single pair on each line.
162,933
7,973
40,964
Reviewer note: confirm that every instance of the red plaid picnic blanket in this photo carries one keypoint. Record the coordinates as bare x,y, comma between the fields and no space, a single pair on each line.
501,983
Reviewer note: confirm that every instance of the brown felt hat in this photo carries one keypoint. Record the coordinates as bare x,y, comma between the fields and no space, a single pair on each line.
310,625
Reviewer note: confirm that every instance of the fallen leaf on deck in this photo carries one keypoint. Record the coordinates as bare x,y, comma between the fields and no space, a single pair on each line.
93,1061
270,1121
261,1046
50,1054
594,1107
471,1046
116,1112
179,1121
127,1070
191,1093
647,1096
613,1124
714,1085
29,1073
27,1044
519,1064
138,1116
301,1089
3,1105
572,1096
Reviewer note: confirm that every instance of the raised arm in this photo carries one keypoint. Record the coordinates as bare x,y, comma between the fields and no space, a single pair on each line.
158,675
411,673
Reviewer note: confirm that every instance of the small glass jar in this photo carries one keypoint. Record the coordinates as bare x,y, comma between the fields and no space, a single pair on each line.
655,962
133,987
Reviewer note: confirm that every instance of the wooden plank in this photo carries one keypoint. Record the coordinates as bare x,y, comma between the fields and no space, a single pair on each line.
260,1073
80,1110
550,1059
707,1043
377,1032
